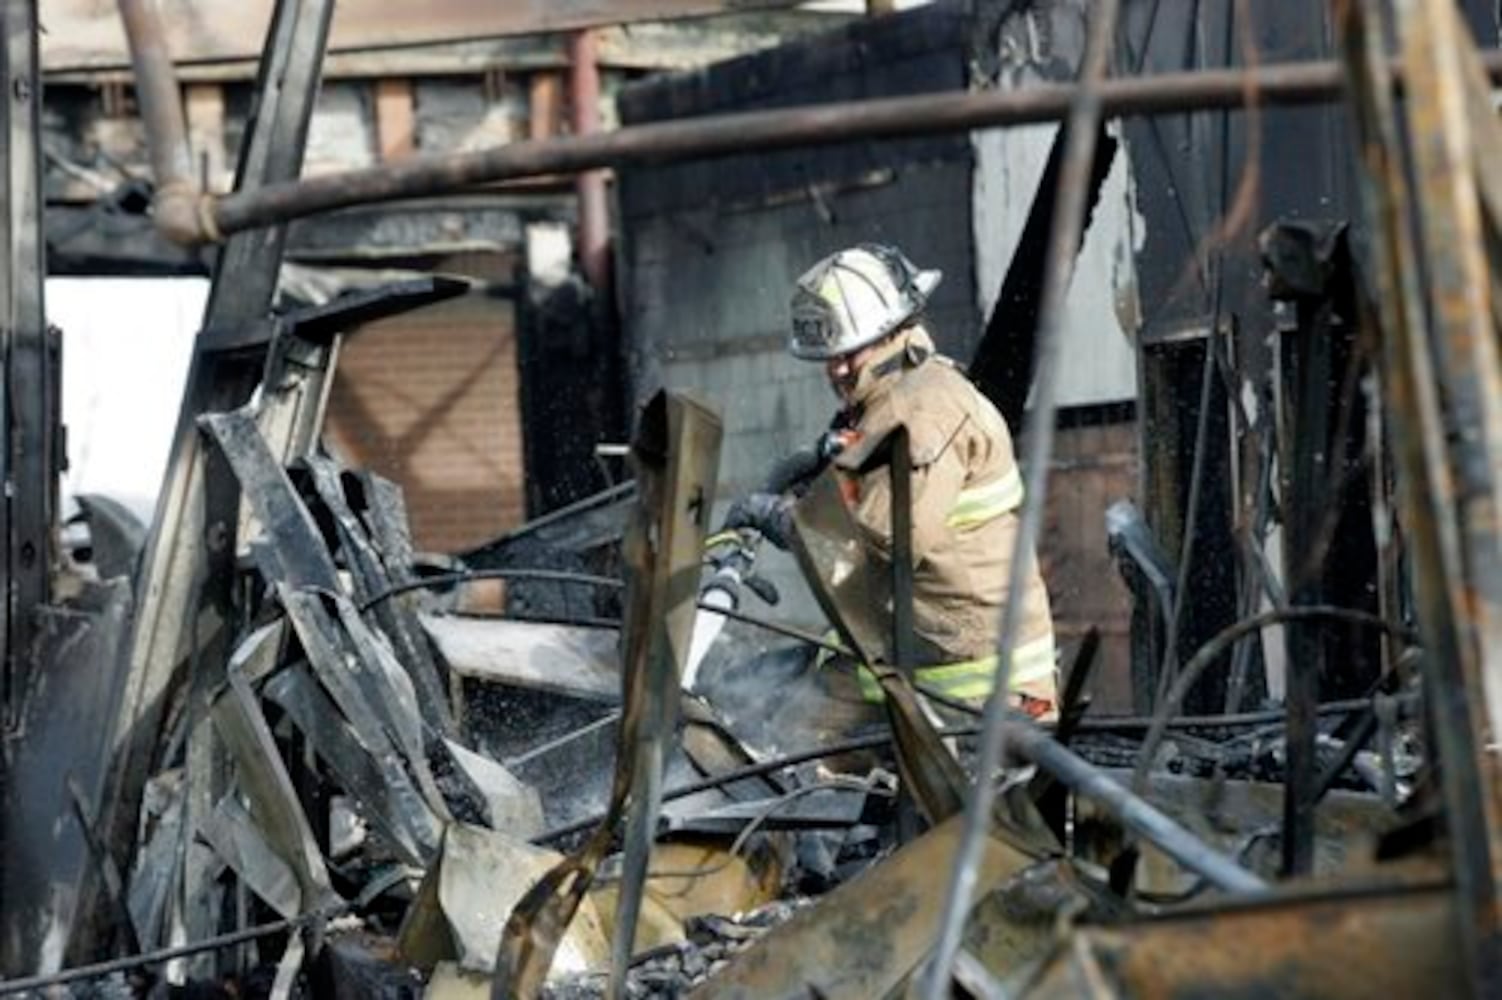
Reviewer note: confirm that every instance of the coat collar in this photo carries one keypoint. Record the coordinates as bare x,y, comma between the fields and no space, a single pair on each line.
904,350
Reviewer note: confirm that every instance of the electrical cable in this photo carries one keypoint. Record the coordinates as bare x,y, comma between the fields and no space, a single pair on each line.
751,771
588,579
498,573
1224,640
11,987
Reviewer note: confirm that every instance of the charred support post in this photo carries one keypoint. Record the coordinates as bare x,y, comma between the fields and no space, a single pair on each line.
1440,369
1308,265
29,416
903,655
30,394
1304,475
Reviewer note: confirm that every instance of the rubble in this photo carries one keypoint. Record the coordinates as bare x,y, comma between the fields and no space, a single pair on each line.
308,769
468,894
675,969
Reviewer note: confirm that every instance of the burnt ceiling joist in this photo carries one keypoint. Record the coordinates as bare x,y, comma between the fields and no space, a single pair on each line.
112,238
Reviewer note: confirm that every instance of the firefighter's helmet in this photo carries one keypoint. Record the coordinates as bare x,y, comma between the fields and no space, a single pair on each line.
856,297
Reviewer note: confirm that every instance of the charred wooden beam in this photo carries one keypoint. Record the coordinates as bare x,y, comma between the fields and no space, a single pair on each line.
29,430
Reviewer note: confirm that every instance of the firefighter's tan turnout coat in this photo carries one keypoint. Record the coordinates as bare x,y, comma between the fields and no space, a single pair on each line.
967,491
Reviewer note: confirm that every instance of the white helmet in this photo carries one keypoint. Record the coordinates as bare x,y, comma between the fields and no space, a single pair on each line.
854,298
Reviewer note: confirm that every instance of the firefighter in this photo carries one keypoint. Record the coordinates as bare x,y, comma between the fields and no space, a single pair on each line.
859,312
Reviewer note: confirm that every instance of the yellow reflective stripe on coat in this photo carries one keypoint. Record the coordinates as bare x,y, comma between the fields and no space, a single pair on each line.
970,680
979,504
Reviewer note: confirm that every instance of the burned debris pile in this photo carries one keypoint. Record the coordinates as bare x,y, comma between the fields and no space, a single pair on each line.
379,793
269,748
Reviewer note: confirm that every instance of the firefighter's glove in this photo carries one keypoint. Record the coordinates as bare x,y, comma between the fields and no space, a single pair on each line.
795,472
767,513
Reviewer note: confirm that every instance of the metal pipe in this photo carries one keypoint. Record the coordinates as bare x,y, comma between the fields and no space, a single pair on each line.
761,131
584,114
1086,112
176,202
1136,814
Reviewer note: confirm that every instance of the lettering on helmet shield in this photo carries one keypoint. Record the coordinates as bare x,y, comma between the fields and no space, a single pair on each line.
812,328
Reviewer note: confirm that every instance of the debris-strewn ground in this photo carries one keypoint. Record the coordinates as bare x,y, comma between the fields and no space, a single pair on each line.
672,970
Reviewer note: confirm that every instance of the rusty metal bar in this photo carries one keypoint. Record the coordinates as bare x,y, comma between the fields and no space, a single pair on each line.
1086,111
1135,813
1307,360
761,131
1339,943
157,93
175,204
584,113
1447,380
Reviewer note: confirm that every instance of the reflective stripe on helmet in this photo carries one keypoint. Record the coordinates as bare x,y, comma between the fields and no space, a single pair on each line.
979,504
971,680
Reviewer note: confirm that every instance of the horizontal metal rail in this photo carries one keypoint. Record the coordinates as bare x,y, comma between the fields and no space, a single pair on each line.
1283,84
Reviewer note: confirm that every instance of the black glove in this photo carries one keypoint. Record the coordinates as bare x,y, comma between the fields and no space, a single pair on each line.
768,513
795,472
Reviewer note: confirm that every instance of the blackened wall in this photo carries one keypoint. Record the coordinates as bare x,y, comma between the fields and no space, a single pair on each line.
711,249
1206,185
